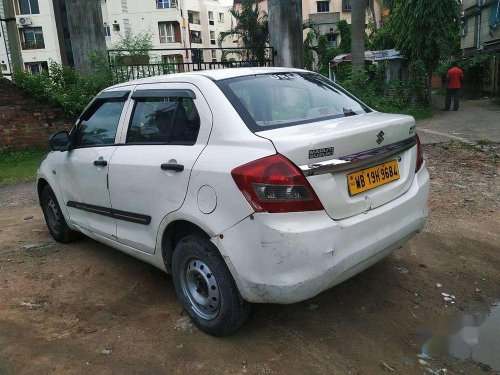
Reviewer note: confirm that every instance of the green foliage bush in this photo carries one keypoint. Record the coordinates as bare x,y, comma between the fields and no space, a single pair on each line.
475,68
64,86
391,97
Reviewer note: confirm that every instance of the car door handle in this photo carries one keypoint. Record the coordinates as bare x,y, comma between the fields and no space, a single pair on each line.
100,163
172,167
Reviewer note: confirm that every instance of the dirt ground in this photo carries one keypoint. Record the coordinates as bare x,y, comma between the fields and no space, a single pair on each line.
85,307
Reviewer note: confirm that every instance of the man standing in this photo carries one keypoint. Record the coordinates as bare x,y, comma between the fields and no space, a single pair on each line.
454,77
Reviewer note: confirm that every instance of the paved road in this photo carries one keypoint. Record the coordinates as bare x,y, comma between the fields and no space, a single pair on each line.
476,120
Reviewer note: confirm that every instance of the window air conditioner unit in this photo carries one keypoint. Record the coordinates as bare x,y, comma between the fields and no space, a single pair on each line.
23,21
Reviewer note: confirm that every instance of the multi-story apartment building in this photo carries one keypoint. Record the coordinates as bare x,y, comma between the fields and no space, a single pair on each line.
324,15
181,24
45,35
37,35
481,33
481,28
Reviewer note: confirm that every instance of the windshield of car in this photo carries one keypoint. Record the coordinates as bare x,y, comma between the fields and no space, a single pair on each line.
277,100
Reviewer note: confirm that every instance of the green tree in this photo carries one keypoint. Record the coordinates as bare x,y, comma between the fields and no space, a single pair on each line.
345,36
133,46
426,30
251,29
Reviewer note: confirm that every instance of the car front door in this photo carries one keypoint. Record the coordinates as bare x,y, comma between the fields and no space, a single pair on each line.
168,128
83,172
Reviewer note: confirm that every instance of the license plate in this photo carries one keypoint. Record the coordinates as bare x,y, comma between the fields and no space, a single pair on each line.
372,177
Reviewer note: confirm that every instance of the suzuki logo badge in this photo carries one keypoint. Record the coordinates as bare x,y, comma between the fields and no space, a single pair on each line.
380,137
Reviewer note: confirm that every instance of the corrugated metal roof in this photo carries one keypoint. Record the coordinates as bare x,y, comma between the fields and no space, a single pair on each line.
387,54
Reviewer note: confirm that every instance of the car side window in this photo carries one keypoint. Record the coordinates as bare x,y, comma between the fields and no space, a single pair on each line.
98,126
164,120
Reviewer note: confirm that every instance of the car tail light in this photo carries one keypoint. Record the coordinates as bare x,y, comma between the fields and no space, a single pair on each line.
420,154
275,184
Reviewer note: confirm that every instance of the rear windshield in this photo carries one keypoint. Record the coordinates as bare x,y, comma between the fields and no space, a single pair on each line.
269,101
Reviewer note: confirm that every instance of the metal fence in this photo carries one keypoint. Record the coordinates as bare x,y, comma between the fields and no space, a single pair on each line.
127,65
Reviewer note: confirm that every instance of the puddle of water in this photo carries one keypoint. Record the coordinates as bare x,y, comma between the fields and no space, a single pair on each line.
469,336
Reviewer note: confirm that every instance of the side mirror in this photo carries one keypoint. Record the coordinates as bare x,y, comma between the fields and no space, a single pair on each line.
59,141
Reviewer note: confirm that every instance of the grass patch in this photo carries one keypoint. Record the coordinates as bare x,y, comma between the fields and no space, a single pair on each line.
484,146
19,165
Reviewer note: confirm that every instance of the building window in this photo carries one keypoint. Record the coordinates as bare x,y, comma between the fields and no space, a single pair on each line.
323,6
214,55
167,32
28,7
346,5
126,26
116,27
211,18
331,39
3,67
162,4
194,18
221,17
32,38
36,67
165,4
212,38
107,30
196,37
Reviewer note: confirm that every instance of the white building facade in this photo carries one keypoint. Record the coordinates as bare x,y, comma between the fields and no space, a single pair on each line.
173,24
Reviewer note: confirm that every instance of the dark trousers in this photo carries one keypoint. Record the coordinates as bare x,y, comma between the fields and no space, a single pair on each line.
456,101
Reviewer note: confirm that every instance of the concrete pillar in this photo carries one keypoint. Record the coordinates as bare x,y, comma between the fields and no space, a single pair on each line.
285,32
86,30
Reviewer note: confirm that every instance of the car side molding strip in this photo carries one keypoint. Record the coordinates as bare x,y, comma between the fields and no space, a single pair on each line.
357,160
110,212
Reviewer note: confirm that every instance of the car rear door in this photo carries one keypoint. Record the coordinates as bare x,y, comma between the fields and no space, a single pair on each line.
83,172
168,127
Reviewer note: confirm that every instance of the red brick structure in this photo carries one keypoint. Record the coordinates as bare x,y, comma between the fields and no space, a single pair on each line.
25,121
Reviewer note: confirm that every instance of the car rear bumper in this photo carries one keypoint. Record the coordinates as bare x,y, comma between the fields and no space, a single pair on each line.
287,258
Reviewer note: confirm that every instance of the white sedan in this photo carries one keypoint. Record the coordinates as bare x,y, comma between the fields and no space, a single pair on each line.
263,185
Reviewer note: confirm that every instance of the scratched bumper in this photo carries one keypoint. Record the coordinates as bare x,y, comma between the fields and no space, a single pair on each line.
287,258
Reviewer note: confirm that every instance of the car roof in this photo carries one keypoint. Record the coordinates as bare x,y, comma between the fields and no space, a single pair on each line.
215,75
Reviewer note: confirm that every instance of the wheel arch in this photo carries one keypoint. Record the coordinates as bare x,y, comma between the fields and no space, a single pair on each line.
40,185
174,232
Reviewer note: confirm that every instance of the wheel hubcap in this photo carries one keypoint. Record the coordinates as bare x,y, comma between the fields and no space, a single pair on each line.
53,215
200,286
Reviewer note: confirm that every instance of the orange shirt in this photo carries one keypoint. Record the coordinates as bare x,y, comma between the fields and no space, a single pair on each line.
455,75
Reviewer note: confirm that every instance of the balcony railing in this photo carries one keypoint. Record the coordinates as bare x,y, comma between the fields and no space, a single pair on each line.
194,21
196,40
31,45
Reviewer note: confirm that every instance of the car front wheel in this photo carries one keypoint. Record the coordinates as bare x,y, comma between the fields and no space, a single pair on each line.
55,218
206,288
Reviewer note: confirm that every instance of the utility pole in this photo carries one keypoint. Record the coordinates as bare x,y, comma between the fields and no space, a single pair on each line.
14,48
358,12
285,32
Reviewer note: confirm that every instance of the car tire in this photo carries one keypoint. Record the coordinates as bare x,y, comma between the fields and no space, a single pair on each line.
206,288
54,218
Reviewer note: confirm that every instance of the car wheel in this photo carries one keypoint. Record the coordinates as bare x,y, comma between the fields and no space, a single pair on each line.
55,218
206,288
